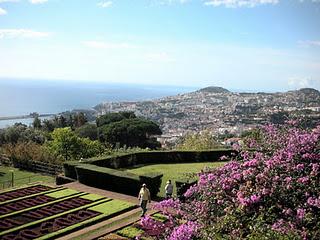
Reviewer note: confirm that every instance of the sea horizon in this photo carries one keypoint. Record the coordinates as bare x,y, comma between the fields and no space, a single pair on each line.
19,97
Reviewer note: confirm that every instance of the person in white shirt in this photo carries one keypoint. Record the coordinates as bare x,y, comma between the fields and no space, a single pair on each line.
144,197
169,189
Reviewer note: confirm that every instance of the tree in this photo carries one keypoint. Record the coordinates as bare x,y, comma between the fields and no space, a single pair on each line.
79,120
199,141
21,133
36,122
114,117
67,144
48,125
131,132
87,131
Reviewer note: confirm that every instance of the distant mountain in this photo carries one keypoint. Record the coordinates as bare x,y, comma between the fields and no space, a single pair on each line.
213,89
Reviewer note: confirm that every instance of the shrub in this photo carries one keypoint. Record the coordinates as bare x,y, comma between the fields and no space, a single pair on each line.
118,181
270,193
30,151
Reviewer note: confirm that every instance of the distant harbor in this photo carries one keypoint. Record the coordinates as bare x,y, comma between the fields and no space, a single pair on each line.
24,119
31,115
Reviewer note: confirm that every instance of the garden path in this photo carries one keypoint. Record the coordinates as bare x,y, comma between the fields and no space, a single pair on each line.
102,228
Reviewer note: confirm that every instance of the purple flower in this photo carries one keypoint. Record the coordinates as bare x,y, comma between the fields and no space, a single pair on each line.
301,213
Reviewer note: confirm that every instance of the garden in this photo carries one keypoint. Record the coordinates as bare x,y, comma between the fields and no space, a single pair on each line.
14,177
270,190
43,212
175,172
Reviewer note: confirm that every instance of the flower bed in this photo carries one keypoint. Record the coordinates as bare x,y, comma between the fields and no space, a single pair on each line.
46,215
38,199
52,225
23,192
42,212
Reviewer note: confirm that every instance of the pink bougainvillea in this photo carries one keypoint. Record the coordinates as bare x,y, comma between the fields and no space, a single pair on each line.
272,191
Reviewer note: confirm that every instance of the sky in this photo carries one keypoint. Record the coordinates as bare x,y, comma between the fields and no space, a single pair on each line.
259,45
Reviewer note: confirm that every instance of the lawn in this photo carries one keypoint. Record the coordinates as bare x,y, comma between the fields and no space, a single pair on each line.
20,177
174,171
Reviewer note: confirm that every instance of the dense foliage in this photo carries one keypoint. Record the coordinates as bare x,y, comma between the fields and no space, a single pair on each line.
67,144
26,151
272,192
199,141
125,129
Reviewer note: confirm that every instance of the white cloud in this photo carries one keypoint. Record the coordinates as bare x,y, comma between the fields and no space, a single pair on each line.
3,1
239,3
38,1
2,11
159,57
105,4
309,43
22,33
303,82
108,45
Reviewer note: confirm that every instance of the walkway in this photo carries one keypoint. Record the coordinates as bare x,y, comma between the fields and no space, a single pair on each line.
101,229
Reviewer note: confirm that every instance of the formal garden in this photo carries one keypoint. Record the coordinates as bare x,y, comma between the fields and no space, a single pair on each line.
44,212
266,187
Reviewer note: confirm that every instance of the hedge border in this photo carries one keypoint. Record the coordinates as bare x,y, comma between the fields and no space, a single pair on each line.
84,171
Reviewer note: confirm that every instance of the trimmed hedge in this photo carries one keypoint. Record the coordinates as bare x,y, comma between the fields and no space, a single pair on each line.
115,180
152,157
60,180
102,172
155,157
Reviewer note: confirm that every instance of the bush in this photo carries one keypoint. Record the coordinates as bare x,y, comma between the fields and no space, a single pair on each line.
270,193
30,151
60,180
115,180
155,157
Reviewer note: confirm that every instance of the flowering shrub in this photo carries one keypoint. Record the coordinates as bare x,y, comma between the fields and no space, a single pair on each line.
272,192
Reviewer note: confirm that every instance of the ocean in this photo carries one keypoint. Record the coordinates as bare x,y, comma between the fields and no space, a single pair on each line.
21,97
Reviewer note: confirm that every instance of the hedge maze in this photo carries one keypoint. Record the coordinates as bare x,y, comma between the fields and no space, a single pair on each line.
47,213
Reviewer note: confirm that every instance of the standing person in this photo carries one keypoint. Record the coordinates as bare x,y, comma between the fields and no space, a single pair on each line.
144,197
169,189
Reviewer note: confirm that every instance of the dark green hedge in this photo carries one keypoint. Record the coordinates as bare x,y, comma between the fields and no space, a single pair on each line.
70,170
117,181
60,180
101,172
154,157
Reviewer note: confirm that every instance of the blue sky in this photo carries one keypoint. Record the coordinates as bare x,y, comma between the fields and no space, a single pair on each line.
267,45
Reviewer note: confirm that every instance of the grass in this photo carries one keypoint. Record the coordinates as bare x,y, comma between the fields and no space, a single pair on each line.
92,197
90,234
62,193
52,217
174,171
111,207
159,217
108,210
20,177
130,232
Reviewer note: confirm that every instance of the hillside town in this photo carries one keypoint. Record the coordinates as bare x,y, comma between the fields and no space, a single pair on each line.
219,110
